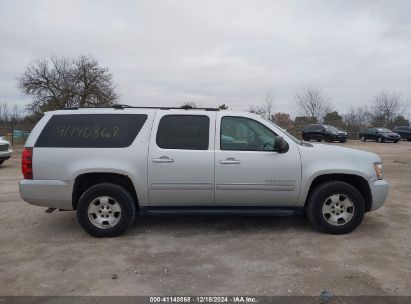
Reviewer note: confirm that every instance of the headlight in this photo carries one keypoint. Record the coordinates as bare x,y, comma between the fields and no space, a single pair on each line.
379,170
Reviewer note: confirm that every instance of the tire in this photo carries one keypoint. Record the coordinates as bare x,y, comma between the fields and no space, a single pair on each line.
319,140
306,138
343,141
1,161
326,195
111,201
396,141
380,139
363,138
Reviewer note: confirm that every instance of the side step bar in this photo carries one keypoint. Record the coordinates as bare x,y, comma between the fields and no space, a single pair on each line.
254,211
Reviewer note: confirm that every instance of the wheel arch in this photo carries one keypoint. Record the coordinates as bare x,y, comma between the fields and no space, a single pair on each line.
86,180
356,181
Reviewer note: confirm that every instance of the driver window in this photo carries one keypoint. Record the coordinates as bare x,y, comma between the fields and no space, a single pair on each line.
245,134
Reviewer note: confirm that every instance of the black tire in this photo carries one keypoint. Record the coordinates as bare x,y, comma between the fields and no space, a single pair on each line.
120,195
319,196
1,161
380,140
319,139
343,141
396,141
306,137
408,139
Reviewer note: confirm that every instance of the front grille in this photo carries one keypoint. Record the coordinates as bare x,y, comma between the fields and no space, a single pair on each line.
4,147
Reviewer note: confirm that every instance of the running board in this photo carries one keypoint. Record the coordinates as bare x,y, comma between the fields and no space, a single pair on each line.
255,211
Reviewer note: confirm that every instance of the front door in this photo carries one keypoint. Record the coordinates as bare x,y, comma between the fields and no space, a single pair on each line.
371,133
247,170
181,159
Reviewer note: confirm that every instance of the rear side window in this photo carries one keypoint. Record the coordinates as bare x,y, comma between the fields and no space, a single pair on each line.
91,130
188,132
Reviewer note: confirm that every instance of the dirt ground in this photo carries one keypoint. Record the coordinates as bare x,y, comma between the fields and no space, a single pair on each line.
49,254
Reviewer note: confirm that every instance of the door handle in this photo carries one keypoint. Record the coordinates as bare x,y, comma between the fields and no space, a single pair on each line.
163,159
230,161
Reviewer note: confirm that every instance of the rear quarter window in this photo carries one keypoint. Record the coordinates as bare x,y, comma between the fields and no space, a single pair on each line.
91,130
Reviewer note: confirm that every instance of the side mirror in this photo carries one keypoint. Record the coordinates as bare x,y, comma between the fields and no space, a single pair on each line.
280,145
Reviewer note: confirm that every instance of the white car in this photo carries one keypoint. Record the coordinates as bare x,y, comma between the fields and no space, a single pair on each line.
5,150
110,164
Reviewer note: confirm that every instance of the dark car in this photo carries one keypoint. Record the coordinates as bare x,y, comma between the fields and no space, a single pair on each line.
321,132
379,134
403,131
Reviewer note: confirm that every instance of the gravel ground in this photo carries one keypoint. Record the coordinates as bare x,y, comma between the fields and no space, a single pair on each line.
49,254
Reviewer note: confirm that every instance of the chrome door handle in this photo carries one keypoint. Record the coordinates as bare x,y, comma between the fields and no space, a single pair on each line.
163,159
230,161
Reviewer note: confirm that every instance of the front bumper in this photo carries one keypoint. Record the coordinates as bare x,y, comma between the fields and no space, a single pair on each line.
392,138
5,154
339,137
47,193
379,193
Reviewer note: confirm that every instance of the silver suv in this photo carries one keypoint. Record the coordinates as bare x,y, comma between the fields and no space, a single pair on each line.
110,164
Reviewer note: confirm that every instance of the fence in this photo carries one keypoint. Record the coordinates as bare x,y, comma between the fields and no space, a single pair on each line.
14,136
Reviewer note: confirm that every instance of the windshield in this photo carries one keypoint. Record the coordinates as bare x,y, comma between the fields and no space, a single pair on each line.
332,129
383,130
288,134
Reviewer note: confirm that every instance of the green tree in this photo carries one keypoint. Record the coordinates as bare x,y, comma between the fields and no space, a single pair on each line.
334,119
400,121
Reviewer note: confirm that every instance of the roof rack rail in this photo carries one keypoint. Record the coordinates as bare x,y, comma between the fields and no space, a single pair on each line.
123,106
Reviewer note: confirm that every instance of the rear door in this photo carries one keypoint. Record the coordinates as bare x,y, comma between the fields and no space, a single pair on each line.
181,159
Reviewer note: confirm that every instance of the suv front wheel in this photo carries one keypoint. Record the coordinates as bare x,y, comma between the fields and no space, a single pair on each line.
106,210
335,207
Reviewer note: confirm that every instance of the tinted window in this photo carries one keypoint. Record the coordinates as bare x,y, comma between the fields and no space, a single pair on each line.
189,132
240,133
91,130
370,130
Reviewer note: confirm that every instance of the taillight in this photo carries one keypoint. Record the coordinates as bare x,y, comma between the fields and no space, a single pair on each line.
27,163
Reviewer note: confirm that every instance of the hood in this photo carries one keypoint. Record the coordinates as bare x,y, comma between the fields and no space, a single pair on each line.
333,150
3,141
390,134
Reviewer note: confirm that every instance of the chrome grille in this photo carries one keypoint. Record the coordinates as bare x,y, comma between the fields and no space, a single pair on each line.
4,147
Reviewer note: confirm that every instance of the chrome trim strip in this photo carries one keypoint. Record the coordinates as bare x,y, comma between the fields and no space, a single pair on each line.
181,186
251,186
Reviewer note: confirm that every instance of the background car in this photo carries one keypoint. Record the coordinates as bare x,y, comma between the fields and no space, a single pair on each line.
379,134
5,151
403,131
321,132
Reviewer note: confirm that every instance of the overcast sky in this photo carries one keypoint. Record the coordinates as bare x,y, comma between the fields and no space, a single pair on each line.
214,52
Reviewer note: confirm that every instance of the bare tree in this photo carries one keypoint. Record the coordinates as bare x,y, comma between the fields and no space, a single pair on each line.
265,109
4,112
357,119
313,103
63,82
385,107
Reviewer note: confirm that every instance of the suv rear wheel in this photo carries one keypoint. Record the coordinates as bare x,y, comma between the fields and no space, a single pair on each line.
106,210
335,207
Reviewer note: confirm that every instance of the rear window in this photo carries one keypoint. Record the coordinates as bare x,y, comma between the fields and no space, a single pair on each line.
91,130
188,132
